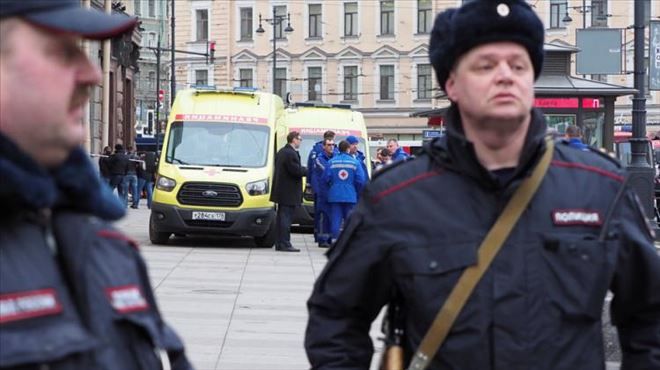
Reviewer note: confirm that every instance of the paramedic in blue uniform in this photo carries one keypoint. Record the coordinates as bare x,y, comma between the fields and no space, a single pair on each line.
74,292
345,177
398,154
317,149
539,304
322,233
356,153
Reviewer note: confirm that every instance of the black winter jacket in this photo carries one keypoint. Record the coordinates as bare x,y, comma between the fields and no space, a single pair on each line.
119,163
538,306
74,292
287,180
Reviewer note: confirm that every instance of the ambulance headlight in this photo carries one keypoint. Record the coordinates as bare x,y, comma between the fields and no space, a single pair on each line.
165,183
257,187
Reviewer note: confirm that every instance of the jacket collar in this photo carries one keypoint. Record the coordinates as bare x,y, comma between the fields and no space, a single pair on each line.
456,152
74,185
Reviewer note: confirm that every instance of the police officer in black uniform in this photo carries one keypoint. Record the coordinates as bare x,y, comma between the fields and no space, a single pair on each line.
419,223
74,292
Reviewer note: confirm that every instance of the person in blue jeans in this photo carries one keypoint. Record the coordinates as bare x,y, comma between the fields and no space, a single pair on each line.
131,180
345,177
118,163
145,175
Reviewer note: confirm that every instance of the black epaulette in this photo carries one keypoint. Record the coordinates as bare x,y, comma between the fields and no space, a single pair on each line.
389,167
609,156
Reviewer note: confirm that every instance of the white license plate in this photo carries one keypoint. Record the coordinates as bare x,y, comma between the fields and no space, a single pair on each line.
213,216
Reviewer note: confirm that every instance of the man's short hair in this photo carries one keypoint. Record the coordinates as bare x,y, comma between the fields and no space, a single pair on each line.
292,135
573,131
393,140
119,147
329,134
344,146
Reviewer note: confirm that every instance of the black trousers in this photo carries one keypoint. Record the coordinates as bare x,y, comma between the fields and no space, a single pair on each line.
283,224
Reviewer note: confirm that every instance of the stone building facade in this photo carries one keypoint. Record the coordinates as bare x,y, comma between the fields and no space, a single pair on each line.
370,54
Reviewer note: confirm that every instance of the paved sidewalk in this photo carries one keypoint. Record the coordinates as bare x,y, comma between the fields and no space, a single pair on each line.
236,306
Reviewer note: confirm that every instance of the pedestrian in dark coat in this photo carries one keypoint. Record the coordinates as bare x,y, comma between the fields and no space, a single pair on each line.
118,164
539,303
75,293
287,189
104,165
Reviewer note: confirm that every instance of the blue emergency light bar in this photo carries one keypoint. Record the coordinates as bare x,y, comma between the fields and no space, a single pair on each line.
321,105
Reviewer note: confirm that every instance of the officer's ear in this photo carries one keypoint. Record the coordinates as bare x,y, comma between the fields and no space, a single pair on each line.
450,87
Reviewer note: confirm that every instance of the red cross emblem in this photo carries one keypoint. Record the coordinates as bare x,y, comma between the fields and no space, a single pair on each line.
212,172
343,174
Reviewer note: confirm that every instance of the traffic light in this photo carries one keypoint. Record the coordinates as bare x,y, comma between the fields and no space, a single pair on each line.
211,51
161,95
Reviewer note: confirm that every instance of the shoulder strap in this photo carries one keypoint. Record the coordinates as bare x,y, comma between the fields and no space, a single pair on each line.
487,252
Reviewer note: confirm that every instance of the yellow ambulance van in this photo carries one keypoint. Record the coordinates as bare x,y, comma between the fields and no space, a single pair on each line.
215,168
312,120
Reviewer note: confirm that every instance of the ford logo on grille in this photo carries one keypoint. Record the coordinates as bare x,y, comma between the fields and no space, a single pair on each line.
210,194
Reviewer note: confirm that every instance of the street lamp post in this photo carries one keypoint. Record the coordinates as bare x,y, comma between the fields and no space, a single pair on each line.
641,172
275,21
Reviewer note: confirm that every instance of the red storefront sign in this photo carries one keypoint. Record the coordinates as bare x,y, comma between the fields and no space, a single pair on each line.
568,103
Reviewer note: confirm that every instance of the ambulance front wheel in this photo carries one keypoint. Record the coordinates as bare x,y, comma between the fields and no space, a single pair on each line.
268,239
157,237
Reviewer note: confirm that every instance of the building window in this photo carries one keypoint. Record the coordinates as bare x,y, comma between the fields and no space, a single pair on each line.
350,19
246,24
280,81
350,82
558,11
387,17
387,82
599,13
202,22
315,20
424,81
138,7
424,16
314,83
245,76
280,11
152,8
201,77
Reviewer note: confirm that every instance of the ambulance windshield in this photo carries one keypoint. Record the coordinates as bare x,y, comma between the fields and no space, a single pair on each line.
218,144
